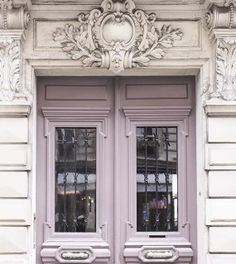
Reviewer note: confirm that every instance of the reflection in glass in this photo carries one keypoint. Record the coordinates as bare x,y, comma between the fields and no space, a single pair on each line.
75,169
157,195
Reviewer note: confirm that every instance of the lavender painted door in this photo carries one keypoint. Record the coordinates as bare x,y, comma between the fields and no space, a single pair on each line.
115,170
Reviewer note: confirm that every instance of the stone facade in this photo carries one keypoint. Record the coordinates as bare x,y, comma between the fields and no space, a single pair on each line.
177,38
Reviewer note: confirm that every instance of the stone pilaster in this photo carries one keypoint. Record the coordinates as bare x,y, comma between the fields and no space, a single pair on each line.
15,158
221,126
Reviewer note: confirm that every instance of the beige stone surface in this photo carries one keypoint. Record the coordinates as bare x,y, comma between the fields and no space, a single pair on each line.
222,129
221,156
14,155
14,259
221,259
222,239
15,212
221,212
13,239
13,130
222,183
13,184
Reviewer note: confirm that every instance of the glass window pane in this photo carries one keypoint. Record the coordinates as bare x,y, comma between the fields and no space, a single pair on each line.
75,169
157,194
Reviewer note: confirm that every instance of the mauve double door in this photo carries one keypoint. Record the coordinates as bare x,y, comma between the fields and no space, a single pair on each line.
108,164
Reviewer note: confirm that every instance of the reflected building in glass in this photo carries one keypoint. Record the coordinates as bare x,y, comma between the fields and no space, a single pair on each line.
157,180
75,169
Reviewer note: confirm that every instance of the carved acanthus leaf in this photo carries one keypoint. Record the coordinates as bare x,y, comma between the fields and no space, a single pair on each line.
116,37
10,73
226,69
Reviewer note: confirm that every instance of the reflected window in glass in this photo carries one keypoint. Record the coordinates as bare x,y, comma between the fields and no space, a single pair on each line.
75,172
157,180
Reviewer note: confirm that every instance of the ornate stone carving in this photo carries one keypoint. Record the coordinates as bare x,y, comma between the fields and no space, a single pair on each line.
230,2
222,16
116,36
5,5
10,71
13,18
221,22
226,69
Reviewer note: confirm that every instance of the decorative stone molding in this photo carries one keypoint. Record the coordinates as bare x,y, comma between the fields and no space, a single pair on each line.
221,22
14,110
116,36
11,70
222,16
226,69
14,20
220,109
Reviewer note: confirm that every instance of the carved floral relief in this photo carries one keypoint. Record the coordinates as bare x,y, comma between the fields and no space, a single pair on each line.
14,20
10,74
116,36
221,22
226,69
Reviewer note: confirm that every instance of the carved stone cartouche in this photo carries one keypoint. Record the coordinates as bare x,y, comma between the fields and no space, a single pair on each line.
116,36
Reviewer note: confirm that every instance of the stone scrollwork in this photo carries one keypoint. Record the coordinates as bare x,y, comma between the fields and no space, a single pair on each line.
13,18
116,36
222,16
226,69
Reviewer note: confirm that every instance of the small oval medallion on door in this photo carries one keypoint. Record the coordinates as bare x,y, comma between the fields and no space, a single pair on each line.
75,255
158,254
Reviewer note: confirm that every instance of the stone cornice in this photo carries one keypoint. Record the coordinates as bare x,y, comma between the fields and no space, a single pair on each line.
221,33
138,2
19,109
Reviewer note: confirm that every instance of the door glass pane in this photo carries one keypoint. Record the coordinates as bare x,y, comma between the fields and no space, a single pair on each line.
75,169
157,195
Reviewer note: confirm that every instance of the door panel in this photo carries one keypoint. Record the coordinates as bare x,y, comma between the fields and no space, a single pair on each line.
74,138
125,193
151,107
